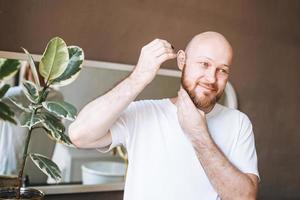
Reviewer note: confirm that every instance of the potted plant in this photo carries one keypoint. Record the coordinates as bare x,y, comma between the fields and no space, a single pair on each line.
60,65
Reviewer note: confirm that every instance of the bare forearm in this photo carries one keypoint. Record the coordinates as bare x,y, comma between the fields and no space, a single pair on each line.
229,182
95,119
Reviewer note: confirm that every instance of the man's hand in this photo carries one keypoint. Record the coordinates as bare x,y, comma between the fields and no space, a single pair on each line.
192,120
228,181
151,57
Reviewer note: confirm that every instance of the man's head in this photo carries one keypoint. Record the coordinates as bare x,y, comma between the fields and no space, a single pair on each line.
205,68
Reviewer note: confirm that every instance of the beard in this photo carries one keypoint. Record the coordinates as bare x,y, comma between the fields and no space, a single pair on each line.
202,101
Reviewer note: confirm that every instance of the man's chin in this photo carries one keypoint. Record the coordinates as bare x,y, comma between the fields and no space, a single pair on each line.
204,103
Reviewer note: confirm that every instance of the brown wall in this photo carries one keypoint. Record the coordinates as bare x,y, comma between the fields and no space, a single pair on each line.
264,34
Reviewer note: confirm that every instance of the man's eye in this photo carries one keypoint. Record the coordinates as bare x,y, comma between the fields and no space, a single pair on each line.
205,64
223,71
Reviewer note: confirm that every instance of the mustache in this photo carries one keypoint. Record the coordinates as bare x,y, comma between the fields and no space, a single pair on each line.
209,86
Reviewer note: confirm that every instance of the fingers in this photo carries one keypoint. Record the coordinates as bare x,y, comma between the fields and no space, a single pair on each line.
186,100
156,45
163,50
181,101
152,56
166,56
159,44
152,43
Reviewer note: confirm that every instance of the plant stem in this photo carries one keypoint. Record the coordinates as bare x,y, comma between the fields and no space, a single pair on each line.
20,175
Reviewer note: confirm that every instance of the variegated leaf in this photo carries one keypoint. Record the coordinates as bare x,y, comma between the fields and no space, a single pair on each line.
8,68
19,104
54,60
30,119
61,109
76,57
6,113
31,91
63,139
46,165
56,129
33,67
3,90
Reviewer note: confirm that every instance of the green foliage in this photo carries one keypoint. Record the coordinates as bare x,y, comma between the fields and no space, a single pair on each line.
29,119
32,67
55,129
46,165
61,109
31,91
18,104
6,113
8,68
54,60
60,65
76,57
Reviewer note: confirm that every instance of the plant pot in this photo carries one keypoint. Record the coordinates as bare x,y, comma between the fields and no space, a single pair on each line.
26,194
8,181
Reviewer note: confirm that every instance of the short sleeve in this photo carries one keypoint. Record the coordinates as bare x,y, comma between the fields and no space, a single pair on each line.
122,129
244,156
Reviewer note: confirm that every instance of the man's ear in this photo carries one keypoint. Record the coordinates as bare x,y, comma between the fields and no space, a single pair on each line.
181,59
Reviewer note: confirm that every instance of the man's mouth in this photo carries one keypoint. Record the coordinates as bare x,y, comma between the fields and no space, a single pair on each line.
207,88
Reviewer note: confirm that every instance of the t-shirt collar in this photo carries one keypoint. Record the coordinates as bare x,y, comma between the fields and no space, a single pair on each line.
212,113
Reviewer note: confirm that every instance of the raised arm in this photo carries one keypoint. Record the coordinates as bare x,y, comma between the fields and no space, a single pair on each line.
91,127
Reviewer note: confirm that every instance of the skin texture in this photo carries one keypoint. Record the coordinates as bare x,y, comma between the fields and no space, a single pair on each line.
205,65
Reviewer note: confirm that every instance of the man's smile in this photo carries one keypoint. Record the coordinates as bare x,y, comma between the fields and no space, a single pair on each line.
207,88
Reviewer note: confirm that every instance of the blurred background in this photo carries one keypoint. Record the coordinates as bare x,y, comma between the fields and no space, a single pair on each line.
265,73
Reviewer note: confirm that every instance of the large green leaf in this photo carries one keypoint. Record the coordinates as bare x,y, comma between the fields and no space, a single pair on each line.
61,109
33,67
6,113
46,165
8,68
55,129
76,57
30,119
54,60
31,91
3,90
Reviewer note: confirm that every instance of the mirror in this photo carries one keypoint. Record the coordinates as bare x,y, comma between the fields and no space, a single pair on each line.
95,79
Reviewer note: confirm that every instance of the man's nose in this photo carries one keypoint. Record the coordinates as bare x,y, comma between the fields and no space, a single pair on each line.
211,75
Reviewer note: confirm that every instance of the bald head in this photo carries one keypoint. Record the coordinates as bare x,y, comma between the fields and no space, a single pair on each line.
207,42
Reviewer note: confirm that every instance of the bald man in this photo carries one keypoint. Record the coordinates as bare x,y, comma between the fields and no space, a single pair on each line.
187,147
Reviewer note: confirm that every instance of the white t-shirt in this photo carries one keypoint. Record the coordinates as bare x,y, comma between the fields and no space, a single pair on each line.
162,162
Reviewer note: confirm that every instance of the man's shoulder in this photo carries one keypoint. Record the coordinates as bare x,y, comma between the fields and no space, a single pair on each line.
231,112
150,105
